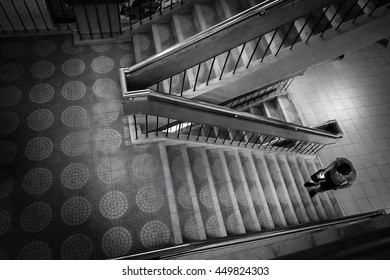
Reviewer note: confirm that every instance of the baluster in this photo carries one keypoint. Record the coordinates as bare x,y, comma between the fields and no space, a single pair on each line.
98,20
362,10
197,76
161,7
227,134
234,138
296,146
346,14
377,6
43,18
109,20
156,125
284,38
135,125
273,137
257,139
216,137
140,12
274,144
300,31
269,45
182,84
242,138
167,128
32,18
170,85
211,70
129,5
224,65
171,4
317,23
189,133
336,13
150,9
87,18
146,125
250,138
208,135
20,18
200,130
239,57
178,131
254,51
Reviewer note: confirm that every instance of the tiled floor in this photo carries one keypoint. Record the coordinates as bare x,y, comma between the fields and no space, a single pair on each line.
356,92
69,186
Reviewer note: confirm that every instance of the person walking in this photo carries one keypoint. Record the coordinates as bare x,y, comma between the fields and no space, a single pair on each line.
338,175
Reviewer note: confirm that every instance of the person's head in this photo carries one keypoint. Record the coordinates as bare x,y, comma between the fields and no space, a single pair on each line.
343,168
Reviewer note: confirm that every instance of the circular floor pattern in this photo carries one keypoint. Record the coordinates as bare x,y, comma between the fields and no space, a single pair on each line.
143,42
73,67
37,181
149,199
232,224
191,229
6,184
102,64
269,197
43,69
36,217
249,175
75,117
74,144
44,47
206,198
68,47
283,196
5,221
224,196
39,148
113,205
116,242
111,172
255,195
108,140
212,227
145,166
75,176
73,90
125,61
77,247
101,48
10,96
36,250
234,170
41,93
9,122
11,71
154,234
218,171
13,50
105,88
8,151
75,211
40,119
249,222
241,196
105,117
184,198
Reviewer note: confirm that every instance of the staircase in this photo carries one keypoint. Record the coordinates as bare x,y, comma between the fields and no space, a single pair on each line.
215,191
216,74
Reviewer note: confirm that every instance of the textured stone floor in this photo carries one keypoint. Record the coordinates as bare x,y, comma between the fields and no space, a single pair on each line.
69,186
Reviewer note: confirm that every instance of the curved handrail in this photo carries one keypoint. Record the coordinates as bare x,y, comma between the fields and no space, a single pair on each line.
208,107
261,9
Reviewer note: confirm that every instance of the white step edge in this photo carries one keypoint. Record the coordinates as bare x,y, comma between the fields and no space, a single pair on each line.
293,189
264,174
244,184
316,200
232,194
214,194
281,190
194,198
177,235
299,181
330,212
137,49
264,206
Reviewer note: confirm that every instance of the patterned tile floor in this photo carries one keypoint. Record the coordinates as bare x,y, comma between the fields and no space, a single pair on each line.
69,186
356,92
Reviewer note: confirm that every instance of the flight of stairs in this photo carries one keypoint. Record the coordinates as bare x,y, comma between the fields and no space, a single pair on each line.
202,14
217,191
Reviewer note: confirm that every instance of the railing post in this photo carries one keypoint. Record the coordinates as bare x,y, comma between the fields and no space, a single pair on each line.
135,125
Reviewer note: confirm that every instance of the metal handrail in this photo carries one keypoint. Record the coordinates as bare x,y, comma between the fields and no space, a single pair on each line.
261,9
220,110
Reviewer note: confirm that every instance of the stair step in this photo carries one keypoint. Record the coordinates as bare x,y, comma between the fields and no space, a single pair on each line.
323,196
272,109
241,190
177,234
281,190
292,189
163,36
269,191
256,191
185,193
227,200
207,195
303,192
143,46
287,107
316,200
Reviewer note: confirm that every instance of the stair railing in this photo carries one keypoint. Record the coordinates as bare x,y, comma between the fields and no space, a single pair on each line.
194,54
151,115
